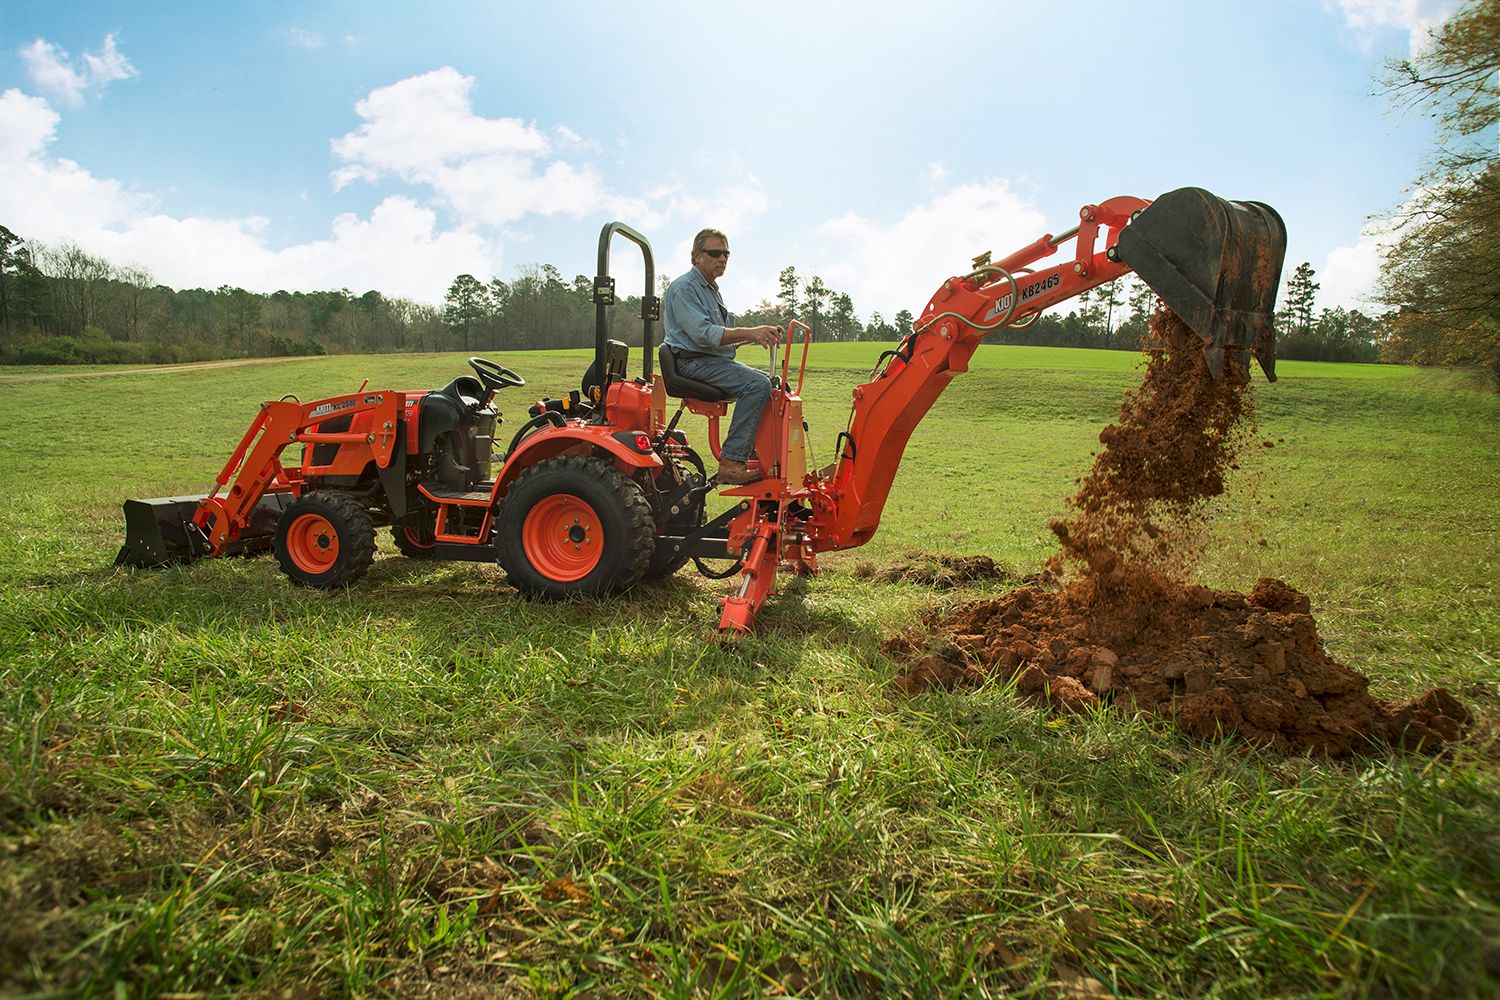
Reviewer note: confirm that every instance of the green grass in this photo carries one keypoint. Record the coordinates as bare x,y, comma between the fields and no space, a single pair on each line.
214,783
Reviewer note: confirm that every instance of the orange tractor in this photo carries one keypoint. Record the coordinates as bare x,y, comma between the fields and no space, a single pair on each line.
599,488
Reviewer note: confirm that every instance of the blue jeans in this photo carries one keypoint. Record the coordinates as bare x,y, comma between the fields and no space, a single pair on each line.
750,389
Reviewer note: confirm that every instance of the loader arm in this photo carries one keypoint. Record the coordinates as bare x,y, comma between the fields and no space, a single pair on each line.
255,466
1216,263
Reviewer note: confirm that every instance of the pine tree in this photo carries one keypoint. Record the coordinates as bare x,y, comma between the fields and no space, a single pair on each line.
816,294
903,321
1301,298
465,305
790,292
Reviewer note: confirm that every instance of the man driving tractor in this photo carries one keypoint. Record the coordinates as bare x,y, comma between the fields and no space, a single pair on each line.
702,341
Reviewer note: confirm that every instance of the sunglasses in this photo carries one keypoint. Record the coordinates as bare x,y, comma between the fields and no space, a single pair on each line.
716,254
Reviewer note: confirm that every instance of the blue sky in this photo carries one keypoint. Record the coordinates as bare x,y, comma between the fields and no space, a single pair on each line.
878,144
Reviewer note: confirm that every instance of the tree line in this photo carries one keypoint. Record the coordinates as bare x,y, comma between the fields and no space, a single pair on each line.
1440,279
62,305
1439,290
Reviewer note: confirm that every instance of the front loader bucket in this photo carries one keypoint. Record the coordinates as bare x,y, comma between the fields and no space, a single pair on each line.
1217,265
161,530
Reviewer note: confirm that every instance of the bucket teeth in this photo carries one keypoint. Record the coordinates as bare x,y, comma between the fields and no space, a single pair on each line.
1217,265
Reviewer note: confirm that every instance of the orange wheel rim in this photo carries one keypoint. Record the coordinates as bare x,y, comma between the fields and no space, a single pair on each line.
563,538
313,544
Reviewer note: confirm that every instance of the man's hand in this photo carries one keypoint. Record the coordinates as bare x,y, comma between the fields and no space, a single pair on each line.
766,336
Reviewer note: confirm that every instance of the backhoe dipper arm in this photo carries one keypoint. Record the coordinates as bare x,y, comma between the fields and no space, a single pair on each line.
1004,293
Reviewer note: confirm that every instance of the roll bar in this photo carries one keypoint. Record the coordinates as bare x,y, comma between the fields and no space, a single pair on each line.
604,296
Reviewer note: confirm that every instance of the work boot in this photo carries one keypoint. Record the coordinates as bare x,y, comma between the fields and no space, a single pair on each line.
732,473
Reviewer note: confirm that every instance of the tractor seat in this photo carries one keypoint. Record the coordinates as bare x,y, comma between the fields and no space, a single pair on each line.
466,391
448,408
683,387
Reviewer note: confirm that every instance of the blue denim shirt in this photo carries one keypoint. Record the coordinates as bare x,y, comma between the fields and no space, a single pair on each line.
694,316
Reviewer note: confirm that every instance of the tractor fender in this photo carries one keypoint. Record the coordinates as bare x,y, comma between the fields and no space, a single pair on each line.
577,440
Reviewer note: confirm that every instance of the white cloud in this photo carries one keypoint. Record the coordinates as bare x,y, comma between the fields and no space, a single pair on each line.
1415,17
399,249
898,265
734,208
1350,275
304,39
487,171
937,173
50,198
27,125
68,80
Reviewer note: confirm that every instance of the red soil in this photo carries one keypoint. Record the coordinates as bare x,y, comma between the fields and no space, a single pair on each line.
1121,625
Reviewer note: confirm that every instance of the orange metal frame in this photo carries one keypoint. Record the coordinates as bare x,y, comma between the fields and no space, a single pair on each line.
790,515
789,519
256,468
962,312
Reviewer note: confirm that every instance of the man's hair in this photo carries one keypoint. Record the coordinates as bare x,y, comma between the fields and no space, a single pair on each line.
704,235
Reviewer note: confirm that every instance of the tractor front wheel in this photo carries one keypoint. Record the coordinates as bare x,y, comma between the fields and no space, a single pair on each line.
574,525
325,540
414,543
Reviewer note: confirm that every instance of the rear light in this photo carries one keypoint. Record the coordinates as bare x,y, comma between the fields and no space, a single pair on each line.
637,441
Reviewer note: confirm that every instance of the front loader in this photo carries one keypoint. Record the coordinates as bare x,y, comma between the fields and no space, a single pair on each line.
599,488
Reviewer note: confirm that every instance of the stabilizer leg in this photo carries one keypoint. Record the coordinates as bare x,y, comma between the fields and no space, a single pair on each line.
758,581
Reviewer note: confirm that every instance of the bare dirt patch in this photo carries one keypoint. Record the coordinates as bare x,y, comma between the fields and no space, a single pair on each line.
189,366
938,570
1118,624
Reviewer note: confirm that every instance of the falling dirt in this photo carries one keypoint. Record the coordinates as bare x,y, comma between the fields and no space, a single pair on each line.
1119,625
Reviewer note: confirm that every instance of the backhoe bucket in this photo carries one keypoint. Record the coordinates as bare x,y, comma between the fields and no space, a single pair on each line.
161,530
1217,265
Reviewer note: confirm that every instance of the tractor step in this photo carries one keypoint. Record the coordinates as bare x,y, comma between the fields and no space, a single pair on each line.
465,552
442,491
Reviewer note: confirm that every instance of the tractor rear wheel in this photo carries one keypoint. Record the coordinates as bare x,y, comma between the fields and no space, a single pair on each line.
574,525
325,540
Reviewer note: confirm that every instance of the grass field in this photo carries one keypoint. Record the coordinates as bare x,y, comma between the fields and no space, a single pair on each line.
213,783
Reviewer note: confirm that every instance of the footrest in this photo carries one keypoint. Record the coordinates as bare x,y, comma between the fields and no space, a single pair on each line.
442,491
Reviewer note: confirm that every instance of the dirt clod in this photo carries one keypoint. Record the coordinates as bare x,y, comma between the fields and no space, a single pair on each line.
1121,625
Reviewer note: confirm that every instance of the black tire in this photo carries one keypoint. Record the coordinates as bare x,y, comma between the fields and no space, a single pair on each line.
555,513
414,543
325,540
697,515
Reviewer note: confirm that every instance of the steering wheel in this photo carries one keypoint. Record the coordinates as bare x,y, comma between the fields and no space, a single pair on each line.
495,377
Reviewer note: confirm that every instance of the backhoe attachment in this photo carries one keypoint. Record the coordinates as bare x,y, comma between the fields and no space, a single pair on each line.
1217,265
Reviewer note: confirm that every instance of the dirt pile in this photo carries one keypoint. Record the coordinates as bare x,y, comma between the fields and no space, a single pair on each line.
1120,625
